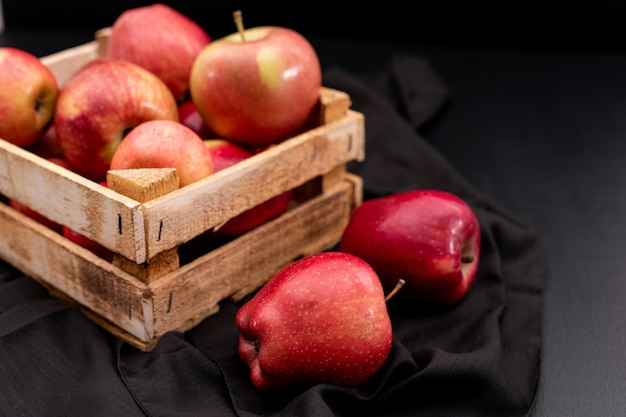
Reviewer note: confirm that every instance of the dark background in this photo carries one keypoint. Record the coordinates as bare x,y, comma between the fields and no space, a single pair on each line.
513,24
536,121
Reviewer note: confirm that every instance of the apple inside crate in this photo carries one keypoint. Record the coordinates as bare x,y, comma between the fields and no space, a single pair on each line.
147,221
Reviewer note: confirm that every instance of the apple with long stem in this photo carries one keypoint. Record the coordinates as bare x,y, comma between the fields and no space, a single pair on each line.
429,238
321,319
256,86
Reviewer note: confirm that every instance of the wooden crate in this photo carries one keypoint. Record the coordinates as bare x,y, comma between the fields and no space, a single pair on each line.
147,291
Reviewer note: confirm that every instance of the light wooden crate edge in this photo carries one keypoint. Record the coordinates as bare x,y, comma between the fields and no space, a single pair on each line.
141,313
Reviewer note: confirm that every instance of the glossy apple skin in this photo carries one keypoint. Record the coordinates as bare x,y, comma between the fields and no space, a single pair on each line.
259,91
27,97
47,146
99,104
254,217
420,236
160,39
165,144
226,153
322,319
189,116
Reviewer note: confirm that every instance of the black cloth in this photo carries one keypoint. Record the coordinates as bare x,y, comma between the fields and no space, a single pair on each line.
480,357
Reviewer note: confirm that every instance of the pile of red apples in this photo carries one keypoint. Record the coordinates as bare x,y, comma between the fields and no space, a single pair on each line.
164,95
167,95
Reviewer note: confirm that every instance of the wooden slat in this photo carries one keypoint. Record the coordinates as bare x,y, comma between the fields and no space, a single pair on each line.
179,216
144,185
65,63
119,224
139,228
72,270
246,263
140,313
67,198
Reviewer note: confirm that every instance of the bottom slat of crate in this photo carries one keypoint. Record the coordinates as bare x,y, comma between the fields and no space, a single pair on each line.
141,313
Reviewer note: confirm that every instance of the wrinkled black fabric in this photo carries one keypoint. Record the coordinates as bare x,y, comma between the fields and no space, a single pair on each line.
480,357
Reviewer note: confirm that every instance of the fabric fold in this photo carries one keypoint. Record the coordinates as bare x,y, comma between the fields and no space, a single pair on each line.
480,357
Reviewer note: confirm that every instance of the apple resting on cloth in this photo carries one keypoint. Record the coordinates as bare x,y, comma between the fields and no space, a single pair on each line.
429,238
165,144
256,86
99,104
27,97
322,319
160,39
226,153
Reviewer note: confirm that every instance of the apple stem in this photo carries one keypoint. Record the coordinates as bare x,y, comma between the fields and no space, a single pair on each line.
239,23
466,259
397,288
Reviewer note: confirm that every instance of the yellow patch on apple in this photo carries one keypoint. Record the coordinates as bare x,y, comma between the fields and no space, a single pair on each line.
271,67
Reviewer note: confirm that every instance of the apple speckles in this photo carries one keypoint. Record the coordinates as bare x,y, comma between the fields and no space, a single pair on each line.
321,319
426,237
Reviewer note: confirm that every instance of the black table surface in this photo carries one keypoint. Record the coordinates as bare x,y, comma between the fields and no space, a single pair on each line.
542,133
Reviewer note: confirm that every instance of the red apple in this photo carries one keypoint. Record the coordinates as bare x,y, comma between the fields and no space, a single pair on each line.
160,39
165,144
429,238
254,217
322,319
47,146
35,215
189,116
256,86
99,104
27,97
225,153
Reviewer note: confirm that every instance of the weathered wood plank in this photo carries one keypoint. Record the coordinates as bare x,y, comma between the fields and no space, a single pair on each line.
140,313
67,198
65,63
179,216
244,264
143,223
76,272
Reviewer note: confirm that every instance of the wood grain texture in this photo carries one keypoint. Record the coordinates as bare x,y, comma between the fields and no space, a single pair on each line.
144,217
